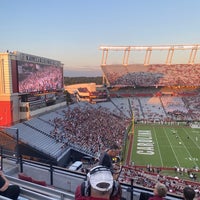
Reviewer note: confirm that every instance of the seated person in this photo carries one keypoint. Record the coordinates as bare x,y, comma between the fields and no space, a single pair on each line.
7,190
99,185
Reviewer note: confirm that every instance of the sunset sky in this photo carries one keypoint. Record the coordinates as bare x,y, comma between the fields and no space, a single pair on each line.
73,30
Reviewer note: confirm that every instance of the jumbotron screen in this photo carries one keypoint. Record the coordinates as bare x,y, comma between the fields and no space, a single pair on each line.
34,77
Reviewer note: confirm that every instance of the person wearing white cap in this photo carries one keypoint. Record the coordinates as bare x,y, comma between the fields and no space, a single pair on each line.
99,185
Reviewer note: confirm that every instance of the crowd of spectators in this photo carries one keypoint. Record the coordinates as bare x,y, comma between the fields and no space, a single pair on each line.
148,179
153,75
193,104
163,107
175,107
89,129
152,108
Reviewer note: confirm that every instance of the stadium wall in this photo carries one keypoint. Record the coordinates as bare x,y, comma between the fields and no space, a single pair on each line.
46,109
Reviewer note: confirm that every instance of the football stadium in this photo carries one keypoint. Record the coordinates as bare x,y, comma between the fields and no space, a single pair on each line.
51,135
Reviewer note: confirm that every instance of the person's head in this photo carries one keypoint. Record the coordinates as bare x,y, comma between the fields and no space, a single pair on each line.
160,190
188,193
100,182
113,150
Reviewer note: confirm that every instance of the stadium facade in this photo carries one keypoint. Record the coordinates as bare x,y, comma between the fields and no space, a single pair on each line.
146,66
22,74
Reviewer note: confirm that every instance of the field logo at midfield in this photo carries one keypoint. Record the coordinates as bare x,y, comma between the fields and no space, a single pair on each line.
144,143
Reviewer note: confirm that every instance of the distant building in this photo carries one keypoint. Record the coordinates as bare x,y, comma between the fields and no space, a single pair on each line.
89,92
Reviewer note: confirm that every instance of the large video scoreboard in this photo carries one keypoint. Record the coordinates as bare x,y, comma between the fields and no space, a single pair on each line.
38,74
34,77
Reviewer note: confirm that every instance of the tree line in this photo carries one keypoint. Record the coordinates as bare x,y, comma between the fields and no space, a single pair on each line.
78,80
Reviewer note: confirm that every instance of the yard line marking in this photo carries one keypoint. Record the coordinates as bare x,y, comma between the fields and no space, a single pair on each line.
171,147
187,148
191,138
158,147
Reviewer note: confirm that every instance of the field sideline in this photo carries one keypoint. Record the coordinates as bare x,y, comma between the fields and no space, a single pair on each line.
166,146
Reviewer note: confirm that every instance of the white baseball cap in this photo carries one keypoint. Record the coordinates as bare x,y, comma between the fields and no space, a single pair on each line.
101,178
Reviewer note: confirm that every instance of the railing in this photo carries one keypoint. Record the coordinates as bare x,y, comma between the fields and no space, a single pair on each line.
61,183
40,192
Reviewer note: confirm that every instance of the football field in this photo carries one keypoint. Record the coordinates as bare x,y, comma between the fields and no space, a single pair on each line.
166,146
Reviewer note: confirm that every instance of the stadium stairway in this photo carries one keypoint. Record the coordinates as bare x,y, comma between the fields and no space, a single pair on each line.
163,106
141,108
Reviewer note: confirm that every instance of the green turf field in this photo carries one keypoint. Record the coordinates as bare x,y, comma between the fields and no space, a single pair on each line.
166,146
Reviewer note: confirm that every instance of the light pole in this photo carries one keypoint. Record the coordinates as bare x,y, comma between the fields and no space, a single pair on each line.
17,145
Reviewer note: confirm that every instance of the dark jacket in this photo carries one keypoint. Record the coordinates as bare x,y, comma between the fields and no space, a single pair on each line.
79,196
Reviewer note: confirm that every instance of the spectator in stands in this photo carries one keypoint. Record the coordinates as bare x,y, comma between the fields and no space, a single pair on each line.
106,158
7,190
188,193
99,185
160,191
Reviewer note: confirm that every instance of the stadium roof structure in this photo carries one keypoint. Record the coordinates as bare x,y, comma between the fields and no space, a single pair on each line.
170,48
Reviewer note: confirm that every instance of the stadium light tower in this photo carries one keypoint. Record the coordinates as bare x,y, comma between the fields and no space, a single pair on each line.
169,48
